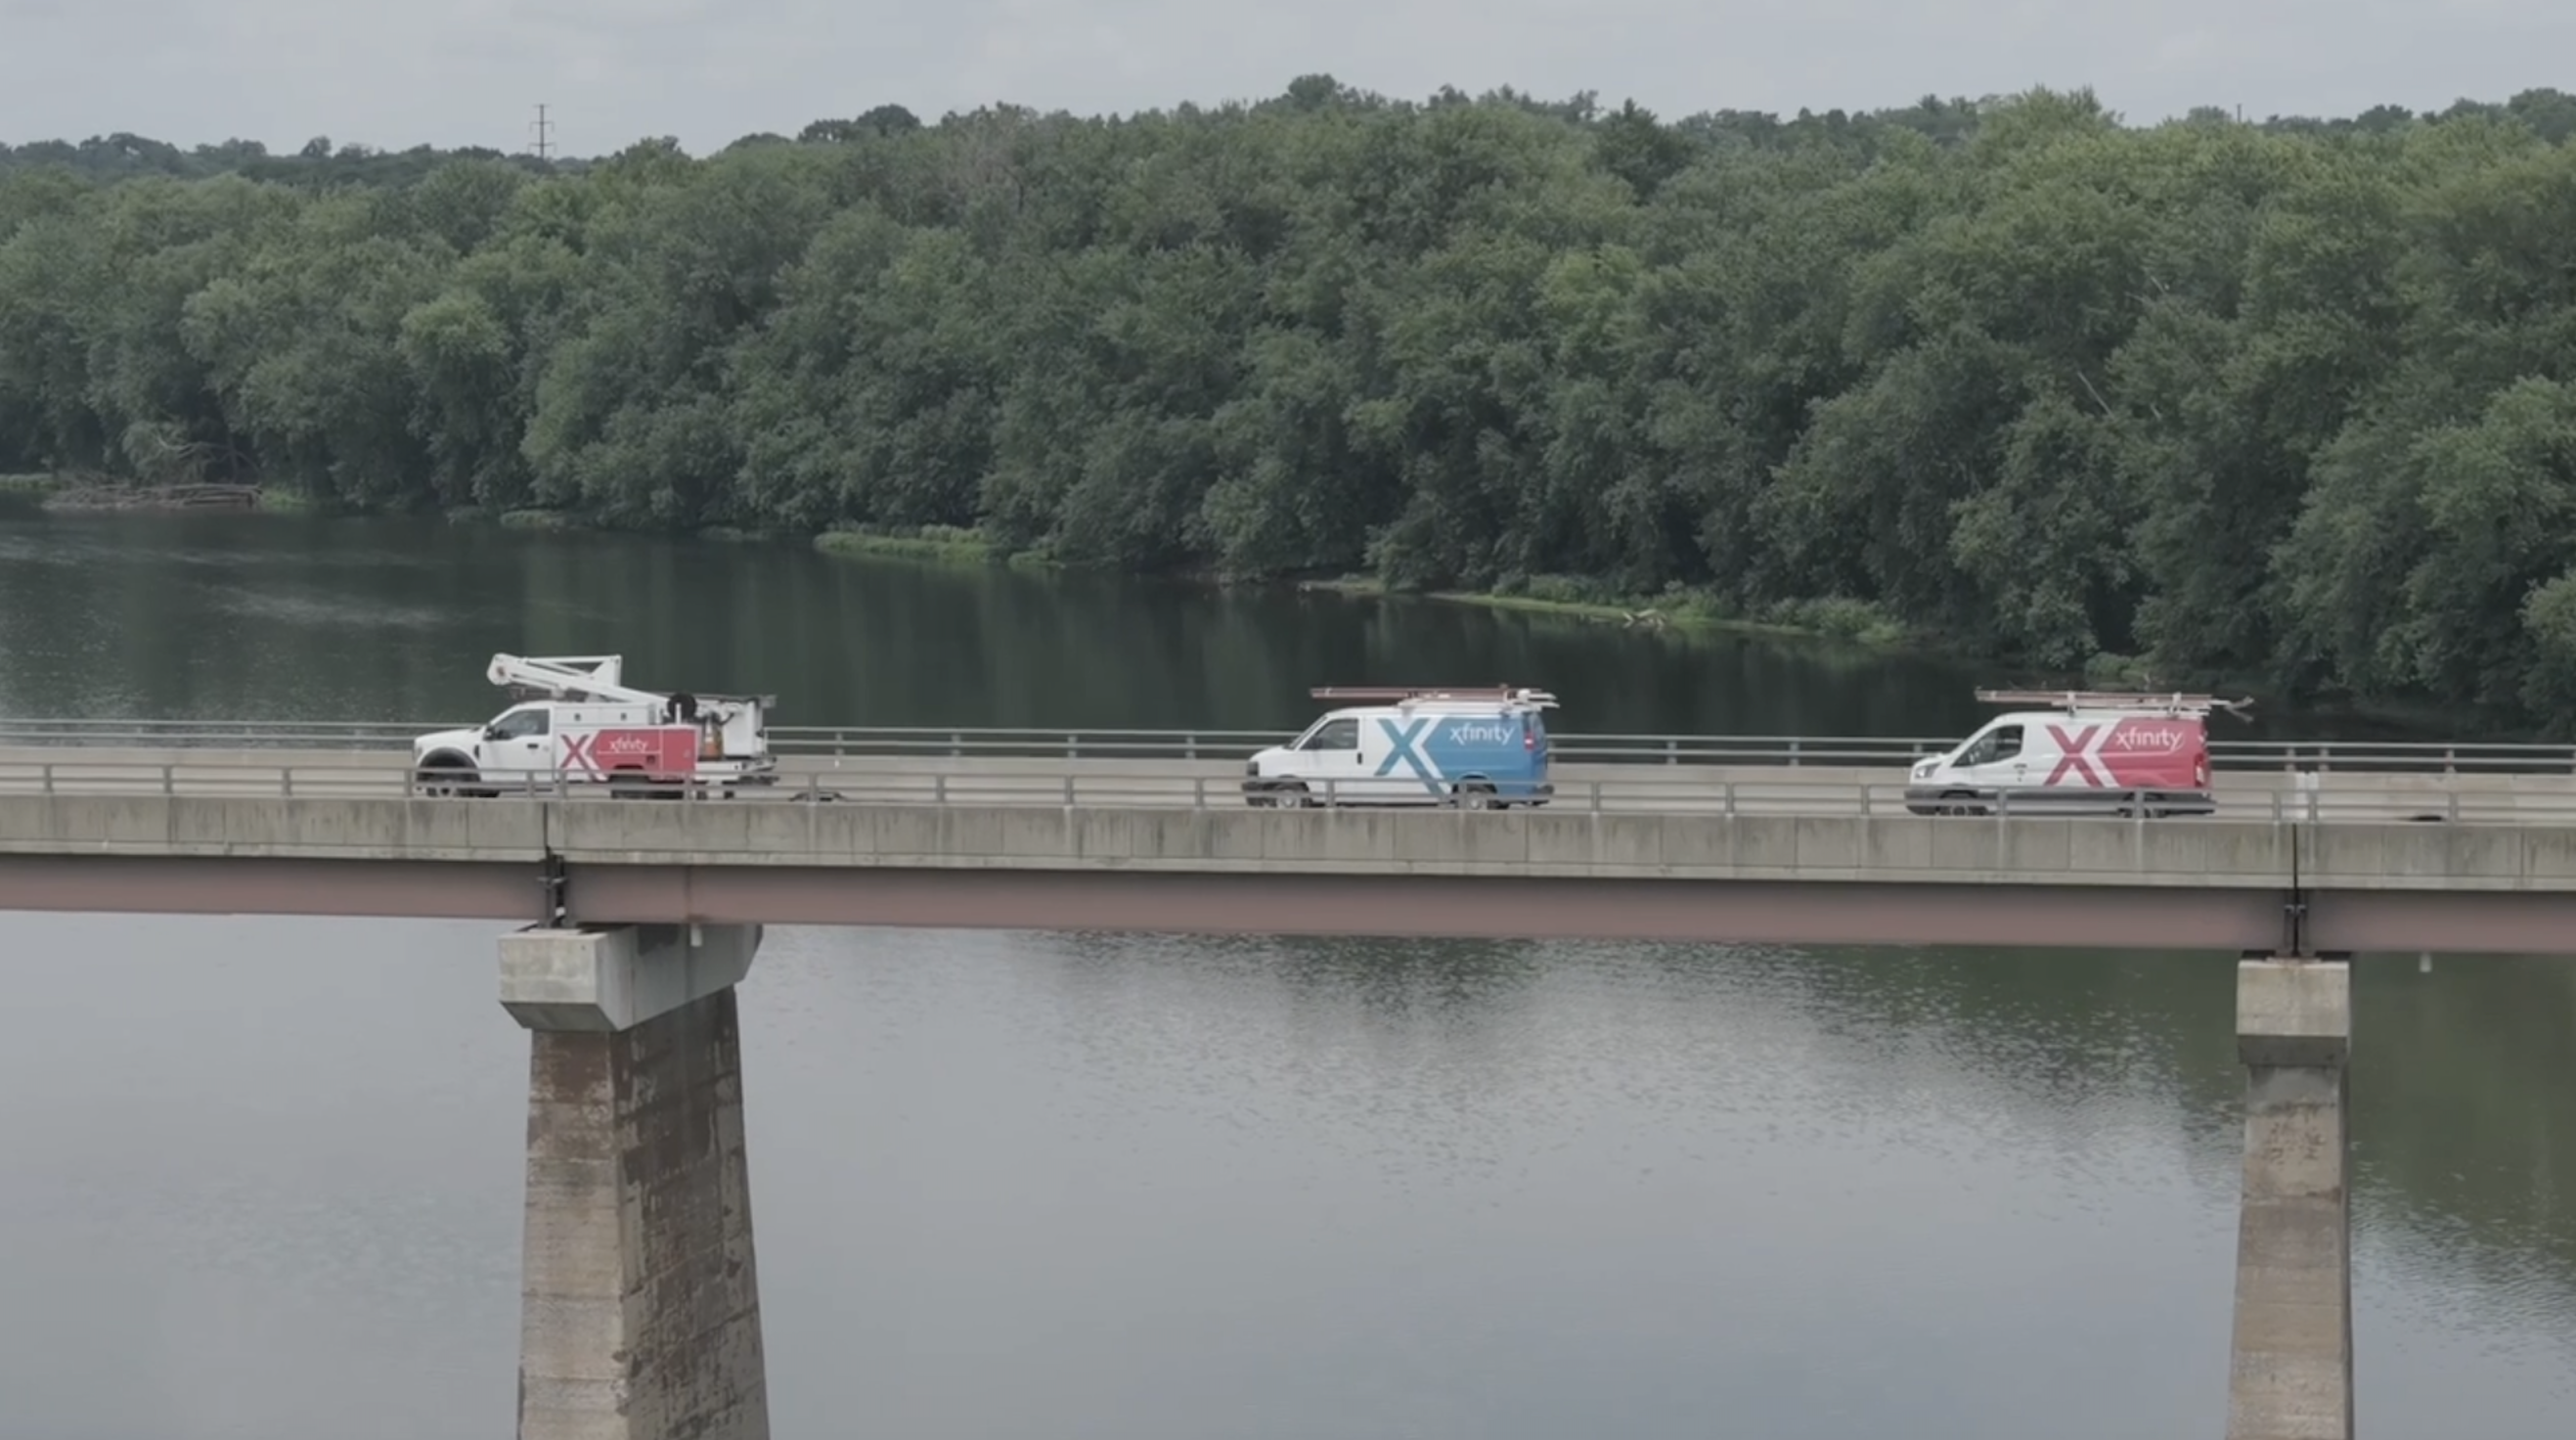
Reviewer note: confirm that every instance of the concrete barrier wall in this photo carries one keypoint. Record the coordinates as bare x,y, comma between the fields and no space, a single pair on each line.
2254,786
1604,844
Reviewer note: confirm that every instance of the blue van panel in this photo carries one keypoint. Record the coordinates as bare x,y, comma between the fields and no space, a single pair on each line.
1440,749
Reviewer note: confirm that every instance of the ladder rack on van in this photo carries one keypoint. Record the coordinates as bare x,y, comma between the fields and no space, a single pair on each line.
1408,694
2175,703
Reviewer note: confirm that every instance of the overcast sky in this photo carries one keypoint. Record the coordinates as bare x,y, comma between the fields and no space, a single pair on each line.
470,72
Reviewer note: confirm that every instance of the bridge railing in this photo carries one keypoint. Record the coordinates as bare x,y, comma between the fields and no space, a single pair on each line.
1707,790
962,743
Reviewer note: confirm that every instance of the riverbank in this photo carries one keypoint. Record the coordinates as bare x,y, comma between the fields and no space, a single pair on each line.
1840,621
86,493
946,543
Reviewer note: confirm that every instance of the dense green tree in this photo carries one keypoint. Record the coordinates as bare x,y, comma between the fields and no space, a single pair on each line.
2291,397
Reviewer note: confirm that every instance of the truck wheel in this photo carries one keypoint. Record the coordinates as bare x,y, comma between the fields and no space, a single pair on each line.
445,782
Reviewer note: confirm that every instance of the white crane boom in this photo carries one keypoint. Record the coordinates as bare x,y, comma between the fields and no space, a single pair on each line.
569,676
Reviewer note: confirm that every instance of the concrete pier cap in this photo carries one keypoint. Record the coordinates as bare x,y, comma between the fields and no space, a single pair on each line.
610,978
2292,1012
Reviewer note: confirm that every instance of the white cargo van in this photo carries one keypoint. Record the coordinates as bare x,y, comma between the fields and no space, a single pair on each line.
1481,748
2100,752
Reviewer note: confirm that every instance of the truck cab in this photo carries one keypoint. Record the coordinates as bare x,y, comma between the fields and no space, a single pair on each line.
1477,748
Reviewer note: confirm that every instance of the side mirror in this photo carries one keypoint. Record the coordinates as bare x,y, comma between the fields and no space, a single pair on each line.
491,732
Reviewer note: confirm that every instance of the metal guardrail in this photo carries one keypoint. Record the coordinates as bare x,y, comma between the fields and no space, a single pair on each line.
2428,757
2452,799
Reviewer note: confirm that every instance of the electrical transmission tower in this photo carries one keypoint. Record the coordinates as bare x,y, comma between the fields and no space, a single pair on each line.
542,127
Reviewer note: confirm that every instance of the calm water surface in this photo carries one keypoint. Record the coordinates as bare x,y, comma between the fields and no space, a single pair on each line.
263,1175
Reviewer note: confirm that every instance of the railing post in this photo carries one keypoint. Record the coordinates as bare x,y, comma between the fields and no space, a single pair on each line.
1068,789
1072,747
1793,750
286,781
1595,788
1672,750
1190,747
1198,792
939,787
167,785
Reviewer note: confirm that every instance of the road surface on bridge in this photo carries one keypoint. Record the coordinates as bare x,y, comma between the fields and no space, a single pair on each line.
2259,796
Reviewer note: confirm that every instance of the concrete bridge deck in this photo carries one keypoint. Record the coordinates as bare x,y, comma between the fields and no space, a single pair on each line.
1047,844
1756,788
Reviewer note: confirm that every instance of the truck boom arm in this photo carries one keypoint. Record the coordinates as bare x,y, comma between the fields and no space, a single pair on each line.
566,676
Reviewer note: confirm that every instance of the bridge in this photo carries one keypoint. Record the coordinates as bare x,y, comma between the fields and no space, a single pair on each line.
640,1306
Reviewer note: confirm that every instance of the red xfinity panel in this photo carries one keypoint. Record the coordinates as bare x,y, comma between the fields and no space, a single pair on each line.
657,750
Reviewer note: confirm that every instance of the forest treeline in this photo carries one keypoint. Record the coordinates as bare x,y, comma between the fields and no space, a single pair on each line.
2290,399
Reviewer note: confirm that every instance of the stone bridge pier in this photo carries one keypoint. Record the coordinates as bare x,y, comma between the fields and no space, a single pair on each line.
639,1308
2290,1375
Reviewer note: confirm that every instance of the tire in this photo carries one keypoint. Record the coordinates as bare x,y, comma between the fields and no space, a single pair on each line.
1960,802
1475,795
447,781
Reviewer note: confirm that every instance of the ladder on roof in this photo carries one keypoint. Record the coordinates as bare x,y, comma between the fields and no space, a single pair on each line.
2173,703
1409,694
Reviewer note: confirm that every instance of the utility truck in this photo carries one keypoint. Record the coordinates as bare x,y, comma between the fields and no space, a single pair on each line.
1478,748
576,722
2092,752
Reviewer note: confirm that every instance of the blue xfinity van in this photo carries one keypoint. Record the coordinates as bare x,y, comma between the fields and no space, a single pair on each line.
1482,748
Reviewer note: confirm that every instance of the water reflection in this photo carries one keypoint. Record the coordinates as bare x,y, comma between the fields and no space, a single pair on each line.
249,616
268,1183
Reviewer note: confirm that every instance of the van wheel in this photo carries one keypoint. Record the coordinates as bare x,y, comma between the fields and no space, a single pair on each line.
1475,795
1960,802
1292,796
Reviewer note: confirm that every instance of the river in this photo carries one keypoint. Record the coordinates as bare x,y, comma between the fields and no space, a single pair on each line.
263,1174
